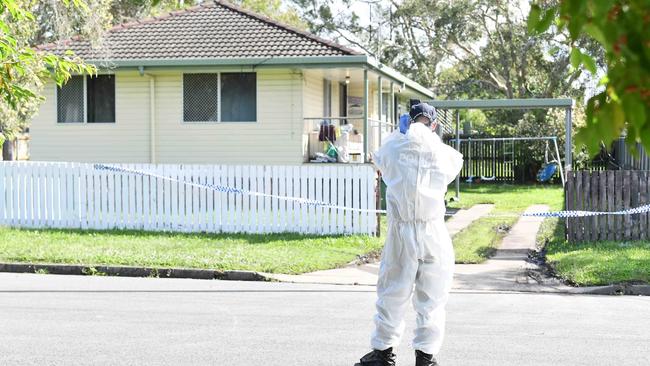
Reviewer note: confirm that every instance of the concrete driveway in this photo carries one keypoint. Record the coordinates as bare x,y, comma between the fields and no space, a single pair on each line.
76,320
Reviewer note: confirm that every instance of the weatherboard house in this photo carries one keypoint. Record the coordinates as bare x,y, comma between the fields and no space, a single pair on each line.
216,84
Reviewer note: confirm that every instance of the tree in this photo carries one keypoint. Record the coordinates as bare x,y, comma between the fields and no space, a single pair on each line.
511,63
620,27
125,10
24,68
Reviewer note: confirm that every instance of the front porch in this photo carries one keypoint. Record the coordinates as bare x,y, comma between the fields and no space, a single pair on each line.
349,111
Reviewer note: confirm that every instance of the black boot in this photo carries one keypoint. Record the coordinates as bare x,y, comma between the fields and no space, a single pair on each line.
378,358
424,359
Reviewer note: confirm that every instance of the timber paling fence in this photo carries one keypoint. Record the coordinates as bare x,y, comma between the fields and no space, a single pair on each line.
611,190
76,195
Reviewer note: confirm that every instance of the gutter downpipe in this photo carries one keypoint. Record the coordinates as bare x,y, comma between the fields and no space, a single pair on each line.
152,114
152,119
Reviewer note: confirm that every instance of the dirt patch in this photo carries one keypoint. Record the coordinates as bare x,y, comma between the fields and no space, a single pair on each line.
544,272
502,229
371,257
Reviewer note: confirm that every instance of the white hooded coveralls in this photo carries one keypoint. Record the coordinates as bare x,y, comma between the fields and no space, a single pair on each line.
416,167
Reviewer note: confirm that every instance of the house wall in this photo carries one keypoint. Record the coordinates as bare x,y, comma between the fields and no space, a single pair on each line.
313,84
125,141
274,139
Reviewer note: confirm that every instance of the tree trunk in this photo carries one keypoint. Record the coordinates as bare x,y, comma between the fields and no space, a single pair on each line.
9,150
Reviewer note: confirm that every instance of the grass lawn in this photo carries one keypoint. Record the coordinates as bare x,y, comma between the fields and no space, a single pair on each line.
601,263
277,253
479,241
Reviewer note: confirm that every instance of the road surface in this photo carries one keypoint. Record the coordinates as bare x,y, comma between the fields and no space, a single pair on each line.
82,320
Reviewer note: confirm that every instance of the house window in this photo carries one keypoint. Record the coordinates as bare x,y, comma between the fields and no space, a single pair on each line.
100,94
201,97
88,99
239,97
220,97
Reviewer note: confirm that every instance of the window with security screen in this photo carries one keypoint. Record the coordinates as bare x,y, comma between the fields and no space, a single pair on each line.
70,101
87,99
220,97
201,97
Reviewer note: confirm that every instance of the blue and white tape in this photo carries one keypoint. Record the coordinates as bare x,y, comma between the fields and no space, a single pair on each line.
310,202
227,189
569,214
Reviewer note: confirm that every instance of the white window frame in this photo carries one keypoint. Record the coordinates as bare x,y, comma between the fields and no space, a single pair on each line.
85,104
183,121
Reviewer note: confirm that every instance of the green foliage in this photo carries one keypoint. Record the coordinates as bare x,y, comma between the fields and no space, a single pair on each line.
620,27
273,9
125,10
462,49
24,68
549,123
594,263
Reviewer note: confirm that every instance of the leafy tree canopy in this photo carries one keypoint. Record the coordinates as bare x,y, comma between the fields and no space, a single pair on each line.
24,68
620,27
462,49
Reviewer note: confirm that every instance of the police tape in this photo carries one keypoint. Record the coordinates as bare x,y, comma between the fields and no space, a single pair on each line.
570,214
234,190
323,204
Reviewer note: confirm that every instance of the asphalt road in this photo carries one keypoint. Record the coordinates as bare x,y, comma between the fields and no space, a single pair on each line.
76,320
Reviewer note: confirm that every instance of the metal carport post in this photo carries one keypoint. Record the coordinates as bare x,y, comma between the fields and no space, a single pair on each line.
532,103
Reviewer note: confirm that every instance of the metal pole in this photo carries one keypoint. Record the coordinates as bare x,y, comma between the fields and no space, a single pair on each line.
378,205
568,158
559,160
379,109
458,148
365,116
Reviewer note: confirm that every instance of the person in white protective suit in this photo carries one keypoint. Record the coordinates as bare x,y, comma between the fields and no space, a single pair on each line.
418,256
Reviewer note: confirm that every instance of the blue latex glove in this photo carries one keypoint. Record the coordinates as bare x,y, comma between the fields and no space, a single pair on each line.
404,120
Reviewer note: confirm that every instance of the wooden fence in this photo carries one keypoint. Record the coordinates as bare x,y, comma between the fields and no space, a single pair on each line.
74,195
611,190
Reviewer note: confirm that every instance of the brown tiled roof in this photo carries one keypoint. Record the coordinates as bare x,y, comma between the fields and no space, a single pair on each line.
213,30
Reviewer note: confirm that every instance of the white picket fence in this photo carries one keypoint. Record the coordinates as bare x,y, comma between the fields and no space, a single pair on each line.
75,195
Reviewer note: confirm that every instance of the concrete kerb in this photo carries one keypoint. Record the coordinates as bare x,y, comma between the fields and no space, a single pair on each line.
208,274
130,271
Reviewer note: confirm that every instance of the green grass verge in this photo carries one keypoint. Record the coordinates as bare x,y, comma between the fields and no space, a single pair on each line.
592,264
479,241
276,253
